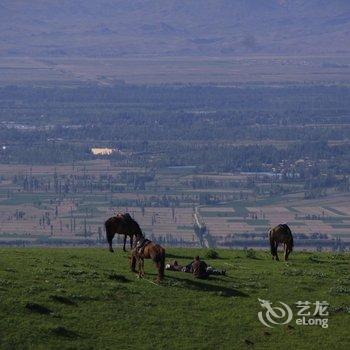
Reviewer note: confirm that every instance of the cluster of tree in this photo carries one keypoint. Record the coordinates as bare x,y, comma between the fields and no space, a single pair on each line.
160,126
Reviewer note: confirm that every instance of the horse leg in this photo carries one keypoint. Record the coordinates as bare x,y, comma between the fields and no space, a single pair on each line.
143,266
287,253
273,250
160,268
110,239
109,236
133,263
131,241
276,249
140,267
124,243
272,245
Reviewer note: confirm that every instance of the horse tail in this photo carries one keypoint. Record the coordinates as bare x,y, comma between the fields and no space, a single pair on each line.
133,262
109,232
272,243
161,264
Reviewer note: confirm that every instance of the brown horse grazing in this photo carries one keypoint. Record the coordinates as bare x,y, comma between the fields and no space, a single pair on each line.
281,234
122,224
146,249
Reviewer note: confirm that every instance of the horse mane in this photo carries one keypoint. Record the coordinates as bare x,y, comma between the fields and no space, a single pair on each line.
130,220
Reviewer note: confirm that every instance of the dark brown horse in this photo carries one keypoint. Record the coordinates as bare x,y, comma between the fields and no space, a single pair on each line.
281,234
122,224
146,249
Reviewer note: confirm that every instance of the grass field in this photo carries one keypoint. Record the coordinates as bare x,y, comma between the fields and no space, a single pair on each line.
88,299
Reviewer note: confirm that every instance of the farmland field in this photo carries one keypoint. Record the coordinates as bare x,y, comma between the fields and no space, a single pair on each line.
88,299
70,203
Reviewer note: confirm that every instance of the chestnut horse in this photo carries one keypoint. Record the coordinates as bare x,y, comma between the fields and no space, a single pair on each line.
146,249
122,224
281,234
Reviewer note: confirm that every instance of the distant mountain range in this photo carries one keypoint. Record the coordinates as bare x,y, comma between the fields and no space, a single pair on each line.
107,28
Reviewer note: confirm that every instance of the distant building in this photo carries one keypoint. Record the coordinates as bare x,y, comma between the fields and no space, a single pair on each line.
102,151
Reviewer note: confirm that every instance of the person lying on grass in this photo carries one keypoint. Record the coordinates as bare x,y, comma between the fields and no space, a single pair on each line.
198,267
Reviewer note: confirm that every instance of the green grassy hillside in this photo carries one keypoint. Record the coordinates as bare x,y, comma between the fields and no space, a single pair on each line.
88,299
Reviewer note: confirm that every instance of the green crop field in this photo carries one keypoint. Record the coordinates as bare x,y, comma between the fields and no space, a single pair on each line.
88,299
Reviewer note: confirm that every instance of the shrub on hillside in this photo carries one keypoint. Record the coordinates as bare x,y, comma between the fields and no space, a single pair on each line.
212,254
250,253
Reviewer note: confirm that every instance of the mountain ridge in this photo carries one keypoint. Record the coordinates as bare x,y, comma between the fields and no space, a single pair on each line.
173,27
